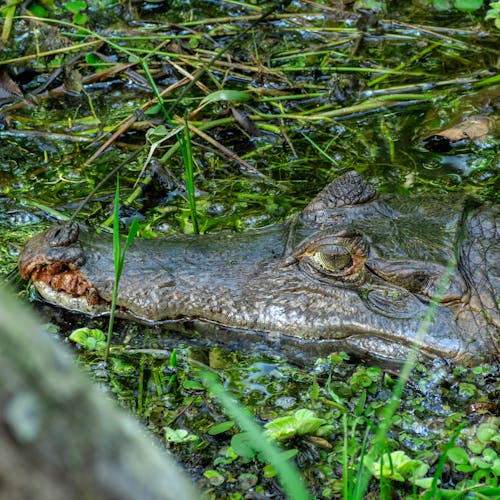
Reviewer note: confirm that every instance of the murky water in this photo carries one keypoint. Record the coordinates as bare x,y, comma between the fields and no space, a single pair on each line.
329,91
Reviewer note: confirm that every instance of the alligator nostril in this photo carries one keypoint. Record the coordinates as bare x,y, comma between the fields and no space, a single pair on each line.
64,235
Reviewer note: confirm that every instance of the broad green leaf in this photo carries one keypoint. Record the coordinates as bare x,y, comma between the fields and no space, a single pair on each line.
465,468
282,428
91,339
242,445
424,482
80,19
397,466
178,435
488,432
221,427
76,6
307,422
413,469
458,455
214,477
38,11
468,5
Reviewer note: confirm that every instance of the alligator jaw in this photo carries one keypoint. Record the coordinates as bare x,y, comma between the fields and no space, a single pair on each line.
78,303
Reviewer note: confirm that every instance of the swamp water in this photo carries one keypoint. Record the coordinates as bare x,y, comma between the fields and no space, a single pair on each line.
316,91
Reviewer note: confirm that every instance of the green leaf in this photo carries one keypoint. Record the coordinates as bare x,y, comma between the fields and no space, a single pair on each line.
442,5
172,362
91,339
38,11
76,6
80,19
301,423
116,230
495,468
484,476
480,463
214,477
488,491
465,468
488,432
413,469
466,389
178,435
468,5
307,422
397,466
490,454
121,367
193,385
153,110
458,455
221,427
424,482
282,428
242,445
132,233
232,96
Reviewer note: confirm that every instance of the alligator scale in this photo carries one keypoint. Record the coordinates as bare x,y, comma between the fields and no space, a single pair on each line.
354,271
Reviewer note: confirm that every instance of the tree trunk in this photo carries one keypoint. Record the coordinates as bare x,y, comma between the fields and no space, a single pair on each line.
60,439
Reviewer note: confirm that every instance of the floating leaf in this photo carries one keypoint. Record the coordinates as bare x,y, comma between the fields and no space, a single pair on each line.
398,466
468,5
301,423
76,7
215,478
458,455
221,427
242,445
469,130
178,435
91,339
488,432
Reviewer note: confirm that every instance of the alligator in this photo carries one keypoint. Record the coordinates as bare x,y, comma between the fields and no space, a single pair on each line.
373,274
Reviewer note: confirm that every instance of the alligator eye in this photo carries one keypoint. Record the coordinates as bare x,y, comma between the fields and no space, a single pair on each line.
333,258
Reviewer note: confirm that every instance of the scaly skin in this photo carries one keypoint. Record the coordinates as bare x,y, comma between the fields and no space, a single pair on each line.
354,271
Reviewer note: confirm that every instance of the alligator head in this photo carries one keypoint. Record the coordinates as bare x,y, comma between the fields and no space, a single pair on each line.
354,271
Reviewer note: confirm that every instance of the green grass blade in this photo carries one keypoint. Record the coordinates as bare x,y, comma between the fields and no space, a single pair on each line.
118,259
442,459
379,442
116,229
288,474
132,233
187,153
